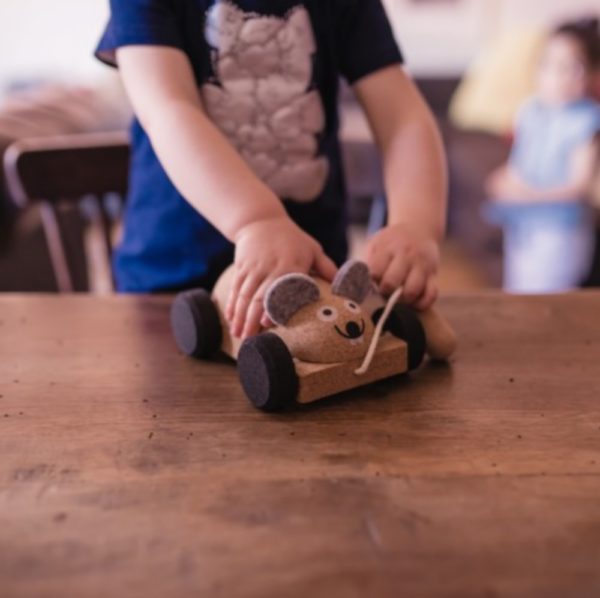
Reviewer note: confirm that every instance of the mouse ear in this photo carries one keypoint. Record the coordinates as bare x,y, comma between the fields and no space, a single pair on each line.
288,295
353,281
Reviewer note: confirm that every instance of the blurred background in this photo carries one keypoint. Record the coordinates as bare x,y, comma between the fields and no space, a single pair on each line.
474,61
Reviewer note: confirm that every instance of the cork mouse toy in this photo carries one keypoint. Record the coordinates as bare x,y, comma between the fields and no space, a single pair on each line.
328,337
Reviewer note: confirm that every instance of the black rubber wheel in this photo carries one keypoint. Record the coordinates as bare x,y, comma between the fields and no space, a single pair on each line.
404,323
267,372
195,324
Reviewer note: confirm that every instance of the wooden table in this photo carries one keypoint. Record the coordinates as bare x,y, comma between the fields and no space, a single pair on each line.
128,470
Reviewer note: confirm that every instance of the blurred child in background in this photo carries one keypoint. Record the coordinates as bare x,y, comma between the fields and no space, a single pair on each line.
539,197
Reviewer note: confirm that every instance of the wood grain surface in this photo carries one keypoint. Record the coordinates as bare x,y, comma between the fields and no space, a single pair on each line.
129,470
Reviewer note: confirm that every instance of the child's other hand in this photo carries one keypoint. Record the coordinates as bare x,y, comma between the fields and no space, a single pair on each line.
495,182
505,185
266,250
398,256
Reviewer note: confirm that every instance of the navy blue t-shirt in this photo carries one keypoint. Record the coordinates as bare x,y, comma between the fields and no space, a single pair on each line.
268,72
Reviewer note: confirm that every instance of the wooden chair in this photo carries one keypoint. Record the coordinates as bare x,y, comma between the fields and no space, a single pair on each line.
56,171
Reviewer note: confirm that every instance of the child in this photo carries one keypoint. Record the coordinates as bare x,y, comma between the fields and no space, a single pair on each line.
539,197
236,106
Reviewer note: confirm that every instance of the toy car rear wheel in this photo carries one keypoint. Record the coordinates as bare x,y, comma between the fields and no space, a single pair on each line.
195,324
267,372
404,323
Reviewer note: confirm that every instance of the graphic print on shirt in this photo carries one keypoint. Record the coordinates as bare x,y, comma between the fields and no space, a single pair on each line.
261,97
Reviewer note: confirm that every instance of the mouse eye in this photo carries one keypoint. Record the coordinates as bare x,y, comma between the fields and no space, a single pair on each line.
327,314
353,307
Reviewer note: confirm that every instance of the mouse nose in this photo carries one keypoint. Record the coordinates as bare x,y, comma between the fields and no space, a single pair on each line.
353,330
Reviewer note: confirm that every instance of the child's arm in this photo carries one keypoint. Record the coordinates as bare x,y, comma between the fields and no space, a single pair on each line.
214,178
406,252
506,184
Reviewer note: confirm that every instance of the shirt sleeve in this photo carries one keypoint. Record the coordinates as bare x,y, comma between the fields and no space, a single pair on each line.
365,41
138,22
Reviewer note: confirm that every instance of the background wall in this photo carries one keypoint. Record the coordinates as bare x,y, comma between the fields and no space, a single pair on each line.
544,12
50,38
55,38
443,36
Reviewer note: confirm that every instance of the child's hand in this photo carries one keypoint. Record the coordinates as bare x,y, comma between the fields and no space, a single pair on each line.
505,185
266,250
400,257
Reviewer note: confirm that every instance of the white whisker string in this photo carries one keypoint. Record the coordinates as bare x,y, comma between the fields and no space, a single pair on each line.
366,364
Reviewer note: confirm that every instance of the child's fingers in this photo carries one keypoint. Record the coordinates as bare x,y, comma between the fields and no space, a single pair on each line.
239,316
378,262
265,322
256,311
415,284
238,281
325,267
254,316
244,299
429,296
394,276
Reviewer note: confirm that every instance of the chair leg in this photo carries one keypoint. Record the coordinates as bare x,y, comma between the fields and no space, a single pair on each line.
56,248
107,234
99,247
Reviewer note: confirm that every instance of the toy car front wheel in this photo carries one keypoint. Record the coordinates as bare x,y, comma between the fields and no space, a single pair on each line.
404,323
267,372
195,324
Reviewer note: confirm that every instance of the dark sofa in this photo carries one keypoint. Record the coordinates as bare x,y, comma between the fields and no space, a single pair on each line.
471,158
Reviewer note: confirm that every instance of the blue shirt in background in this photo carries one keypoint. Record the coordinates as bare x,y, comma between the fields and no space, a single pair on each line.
548,136
267,71
546,140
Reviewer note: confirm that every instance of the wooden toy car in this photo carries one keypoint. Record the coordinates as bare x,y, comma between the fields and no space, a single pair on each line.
322,336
